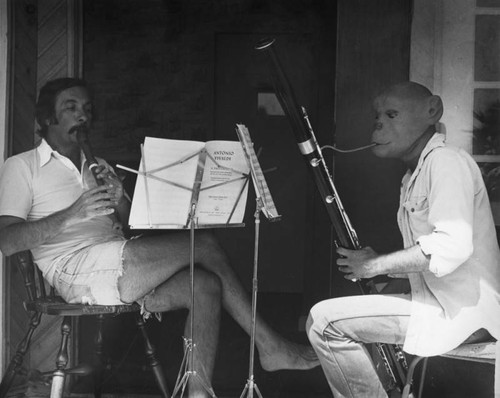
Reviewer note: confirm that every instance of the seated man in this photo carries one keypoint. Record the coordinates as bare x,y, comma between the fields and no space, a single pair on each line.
51,204
451,254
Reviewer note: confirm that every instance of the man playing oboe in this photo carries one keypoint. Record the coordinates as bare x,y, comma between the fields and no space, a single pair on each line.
51,204
450,254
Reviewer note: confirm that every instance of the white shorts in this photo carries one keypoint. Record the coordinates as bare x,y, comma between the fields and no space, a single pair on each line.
90,275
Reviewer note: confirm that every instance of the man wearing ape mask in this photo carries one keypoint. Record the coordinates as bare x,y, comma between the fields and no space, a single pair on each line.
450,257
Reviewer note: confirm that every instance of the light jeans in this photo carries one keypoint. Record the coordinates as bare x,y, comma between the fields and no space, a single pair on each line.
337,329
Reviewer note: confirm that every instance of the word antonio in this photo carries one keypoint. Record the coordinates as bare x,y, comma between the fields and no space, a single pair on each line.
223,155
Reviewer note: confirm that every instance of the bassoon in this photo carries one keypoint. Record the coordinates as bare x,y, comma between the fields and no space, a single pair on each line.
392,356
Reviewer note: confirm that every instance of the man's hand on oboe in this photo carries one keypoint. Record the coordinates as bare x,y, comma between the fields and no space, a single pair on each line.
92,203
113,183
358,264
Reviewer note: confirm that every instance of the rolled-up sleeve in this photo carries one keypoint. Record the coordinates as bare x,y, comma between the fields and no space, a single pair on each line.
450,213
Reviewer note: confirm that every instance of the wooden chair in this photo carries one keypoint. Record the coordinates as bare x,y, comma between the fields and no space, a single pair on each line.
483,352
39,302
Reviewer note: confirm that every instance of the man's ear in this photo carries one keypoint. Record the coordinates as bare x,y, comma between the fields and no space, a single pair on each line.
435,109
51,120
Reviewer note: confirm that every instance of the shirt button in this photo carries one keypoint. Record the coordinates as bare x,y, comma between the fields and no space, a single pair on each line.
412,210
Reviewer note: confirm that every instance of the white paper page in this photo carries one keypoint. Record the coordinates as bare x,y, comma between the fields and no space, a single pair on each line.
222,184
168,204
259,181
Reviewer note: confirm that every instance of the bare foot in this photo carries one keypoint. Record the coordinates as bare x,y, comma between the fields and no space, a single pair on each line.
289,355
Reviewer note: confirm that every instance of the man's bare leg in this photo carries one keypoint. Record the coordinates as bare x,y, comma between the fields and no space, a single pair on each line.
150,261
175,293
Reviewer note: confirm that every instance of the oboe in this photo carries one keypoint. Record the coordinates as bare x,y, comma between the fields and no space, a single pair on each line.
83,141
392,356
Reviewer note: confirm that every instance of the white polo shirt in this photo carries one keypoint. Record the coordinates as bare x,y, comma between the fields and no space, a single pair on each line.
39,182
444,207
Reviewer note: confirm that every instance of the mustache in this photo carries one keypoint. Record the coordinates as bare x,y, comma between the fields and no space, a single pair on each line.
78,127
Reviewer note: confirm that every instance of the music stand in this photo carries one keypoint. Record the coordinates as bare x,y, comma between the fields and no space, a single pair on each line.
265,204
187,365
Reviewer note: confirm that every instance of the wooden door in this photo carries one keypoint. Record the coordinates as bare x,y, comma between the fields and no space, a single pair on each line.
292,252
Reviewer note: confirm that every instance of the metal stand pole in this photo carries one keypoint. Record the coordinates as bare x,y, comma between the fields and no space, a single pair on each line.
187,364
251,386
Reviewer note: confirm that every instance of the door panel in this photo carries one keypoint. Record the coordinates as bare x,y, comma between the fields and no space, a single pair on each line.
242,76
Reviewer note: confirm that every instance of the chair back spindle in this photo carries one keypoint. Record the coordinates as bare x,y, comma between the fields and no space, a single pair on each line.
41,283
27,268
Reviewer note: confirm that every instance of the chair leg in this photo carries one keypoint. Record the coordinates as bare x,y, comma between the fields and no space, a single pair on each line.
422,377
151,358
17,360
59,374
409,377
99,354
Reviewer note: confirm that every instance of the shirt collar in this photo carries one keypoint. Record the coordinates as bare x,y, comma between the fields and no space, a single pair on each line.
45,152
436,141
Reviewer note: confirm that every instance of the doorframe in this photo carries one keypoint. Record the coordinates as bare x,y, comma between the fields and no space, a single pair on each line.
4,72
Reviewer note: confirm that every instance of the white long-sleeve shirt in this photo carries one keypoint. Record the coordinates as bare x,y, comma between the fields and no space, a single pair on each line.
444,208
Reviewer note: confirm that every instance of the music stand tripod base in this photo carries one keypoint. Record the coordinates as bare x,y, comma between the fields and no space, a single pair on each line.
187,372
250,387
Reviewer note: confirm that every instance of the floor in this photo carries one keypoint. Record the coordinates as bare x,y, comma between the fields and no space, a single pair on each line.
129,376
232,361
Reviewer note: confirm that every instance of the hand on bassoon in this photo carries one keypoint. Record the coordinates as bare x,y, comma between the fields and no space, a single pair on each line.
358,264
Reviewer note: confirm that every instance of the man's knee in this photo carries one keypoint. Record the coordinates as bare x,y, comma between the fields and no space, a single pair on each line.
310,327
207,240
322,316
314,323
208,284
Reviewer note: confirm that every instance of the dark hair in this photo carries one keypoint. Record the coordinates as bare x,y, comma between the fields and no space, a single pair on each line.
45,106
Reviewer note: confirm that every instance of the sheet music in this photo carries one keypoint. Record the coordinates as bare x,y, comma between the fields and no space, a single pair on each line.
170,174
259,181
165,165
224,184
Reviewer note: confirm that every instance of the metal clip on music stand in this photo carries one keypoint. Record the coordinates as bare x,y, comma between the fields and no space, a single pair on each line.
264,203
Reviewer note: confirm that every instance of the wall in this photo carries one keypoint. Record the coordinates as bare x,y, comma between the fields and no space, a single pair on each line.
43,46
153,71
19,138
4,59
165,69
442,57
373,52
153,76
57,54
